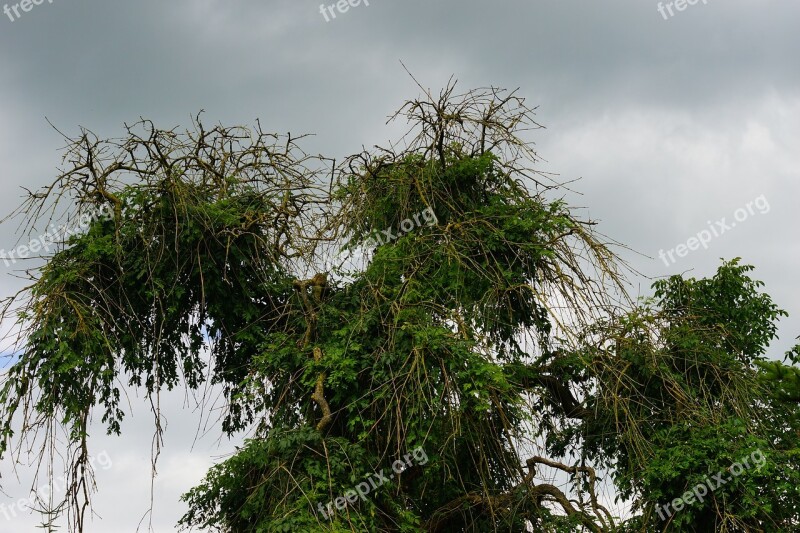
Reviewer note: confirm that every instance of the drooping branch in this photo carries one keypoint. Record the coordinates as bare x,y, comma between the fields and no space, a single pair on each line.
199,216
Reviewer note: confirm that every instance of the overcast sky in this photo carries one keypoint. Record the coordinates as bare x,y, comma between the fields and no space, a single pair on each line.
672,122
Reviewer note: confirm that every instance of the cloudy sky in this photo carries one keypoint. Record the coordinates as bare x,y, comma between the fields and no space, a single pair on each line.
672,123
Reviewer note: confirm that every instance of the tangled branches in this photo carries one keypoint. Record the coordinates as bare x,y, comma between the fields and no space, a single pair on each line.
202,220
444,340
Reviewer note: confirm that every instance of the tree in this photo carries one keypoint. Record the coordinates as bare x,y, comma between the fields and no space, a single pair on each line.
684,402
393,331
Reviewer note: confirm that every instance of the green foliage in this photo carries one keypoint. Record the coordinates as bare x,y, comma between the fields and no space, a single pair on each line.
274,484
464,338
685,391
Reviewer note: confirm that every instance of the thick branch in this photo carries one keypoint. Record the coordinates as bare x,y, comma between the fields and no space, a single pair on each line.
504,503
557,389
318,285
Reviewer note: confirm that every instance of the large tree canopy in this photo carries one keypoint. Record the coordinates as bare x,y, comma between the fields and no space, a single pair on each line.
439,303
